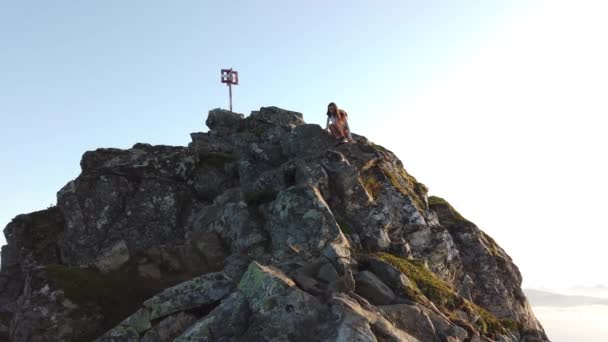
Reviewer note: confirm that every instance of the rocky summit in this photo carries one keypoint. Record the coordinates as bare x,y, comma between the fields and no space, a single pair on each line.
261,229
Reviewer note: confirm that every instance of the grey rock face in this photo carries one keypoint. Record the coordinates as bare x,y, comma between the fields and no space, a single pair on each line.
170,328
423,323
204,290
32,236
306,140
173,303
497,284
137,196
388,274
113,257
280,310
327,273
48,315
228,320
373,289
301,219
359,321
270,203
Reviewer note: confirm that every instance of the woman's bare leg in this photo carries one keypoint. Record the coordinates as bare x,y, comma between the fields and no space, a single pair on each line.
336,131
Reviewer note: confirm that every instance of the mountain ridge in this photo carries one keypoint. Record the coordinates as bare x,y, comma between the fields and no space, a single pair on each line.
547,298
262,219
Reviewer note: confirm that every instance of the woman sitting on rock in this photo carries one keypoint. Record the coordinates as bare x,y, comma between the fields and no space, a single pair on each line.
337,123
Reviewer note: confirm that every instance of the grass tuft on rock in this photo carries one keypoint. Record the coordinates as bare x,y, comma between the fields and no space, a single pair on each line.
406,184
487,323
511,324
448,215
429,286
371,184
375,177
380,148
435,289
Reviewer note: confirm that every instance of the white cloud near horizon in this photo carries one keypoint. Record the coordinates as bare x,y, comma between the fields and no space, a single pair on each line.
573,324
516,139
568,317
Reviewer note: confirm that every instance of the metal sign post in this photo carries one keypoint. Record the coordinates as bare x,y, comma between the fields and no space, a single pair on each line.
230,77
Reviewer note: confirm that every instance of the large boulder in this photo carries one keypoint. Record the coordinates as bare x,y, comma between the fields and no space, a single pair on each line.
141,161
373,289
169,328
353,202
230,219
33,235
113,257
280,310
204,290
423,323
228,320
161,314
278,117
302,221
357,320
223,120
436,247
388,273
137,196
306,140
31,239
313,174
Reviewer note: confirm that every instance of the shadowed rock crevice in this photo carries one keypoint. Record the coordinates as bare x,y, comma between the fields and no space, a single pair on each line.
261,229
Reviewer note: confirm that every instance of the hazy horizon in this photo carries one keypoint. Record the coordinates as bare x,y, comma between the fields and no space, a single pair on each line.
568,317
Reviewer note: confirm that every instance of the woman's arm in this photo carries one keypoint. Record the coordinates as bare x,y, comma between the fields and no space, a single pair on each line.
327,123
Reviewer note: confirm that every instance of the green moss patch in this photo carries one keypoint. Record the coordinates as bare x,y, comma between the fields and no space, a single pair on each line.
511,324
80,285
371,184
218,160
344,227
259,197
435,289
488,323
447,213
493,247
449,216
429,286
376,174
118,294
380,148
435,200
406,184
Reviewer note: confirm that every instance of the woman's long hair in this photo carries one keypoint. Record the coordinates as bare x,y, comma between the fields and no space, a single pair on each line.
340,114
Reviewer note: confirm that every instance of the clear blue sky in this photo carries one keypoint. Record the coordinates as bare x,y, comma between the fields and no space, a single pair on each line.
498,106
78,75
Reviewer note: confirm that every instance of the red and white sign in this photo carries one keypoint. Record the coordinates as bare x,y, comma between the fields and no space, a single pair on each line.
230,76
